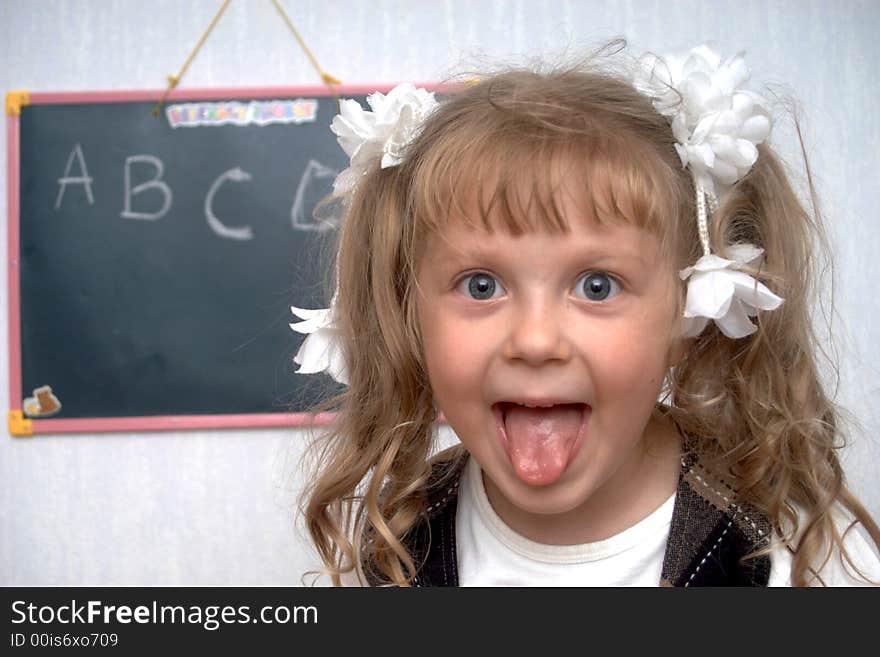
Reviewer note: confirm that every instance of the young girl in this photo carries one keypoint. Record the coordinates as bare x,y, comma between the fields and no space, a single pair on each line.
541,257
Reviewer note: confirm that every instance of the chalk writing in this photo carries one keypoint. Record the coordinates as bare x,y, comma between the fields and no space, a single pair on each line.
144,174
154,183
243,233
314,171
84,179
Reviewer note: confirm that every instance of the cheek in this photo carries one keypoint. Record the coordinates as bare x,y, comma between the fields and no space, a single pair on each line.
631,368
635,360
449,352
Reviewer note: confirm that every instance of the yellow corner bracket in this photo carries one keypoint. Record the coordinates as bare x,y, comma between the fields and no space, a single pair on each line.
15,100
19,425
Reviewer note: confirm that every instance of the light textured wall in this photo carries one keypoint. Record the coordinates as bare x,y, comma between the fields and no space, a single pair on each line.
216,508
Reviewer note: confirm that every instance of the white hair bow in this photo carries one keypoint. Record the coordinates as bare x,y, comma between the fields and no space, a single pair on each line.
381,133
717,126
321,351
719,291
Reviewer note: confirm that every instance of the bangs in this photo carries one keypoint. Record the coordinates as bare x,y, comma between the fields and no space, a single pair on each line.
501,180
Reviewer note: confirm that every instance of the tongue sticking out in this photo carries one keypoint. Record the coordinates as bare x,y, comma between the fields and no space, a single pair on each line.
540,441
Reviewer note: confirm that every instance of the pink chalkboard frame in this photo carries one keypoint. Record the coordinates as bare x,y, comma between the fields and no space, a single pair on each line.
146,423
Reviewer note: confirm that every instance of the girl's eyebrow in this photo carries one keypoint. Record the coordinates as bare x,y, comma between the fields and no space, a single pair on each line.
634,257
458,256
446,253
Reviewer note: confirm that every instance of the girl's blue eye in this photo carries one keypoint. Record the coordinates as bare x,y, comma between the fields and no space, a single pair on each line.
481,287
597,286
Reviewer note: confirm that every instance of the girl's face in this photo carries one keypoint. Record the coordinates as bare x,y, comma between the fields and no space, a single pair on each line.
583,326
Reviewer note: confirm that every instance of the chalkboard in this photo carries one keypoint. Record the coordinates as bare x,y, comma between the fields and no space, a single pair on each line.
158,257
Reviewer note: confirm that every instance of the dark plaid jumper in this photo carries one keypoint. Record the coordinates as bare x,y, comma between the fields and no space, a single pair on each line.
709,534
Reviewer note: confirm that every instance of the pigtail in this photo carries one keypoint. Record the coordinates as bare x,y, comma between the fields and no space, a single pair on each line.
370,469
759,402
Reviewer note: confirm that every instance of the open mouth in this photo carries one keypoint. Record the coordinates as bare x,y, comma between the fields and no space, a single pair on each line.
541,438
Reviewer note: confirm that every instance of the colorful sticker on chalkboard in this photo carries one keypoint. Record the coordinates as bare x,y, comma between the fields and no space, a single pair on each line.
42,404
256,112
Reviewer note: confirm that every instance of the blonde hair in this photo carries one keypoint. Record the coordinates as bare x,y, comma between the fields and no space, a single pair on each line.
754,409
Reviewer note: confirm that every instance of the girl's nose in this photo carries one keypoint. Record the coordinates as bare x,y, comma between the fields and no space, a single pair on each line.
537,336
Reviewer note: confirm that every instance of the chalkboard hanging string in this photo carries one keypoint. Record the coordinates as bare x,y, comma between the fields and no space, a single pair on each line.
328,79
173,80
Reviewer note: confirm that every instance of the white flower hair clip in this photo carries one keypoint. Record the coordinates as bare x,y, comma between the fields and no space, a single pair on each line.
381,133
720,292
321,351
717,126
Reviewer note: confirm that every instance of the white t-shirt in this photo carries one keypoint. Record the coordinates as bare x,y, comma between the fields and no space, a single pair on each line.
492,554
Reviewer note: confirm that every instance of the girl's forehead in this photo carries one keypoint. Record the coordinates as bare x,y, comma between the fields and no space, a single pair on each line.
561,192
584,237
550,190
572,202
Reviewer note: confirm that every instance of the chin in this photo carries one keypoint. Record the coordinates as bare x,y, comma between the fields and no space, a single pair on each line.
562,496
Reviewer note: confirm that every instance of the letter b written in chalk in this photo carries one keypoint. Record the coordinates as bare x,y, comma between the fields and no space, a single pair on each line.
139,163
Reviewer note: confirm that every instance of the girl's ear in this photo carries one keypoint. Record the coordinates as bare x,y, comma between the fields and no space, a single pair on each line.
677,349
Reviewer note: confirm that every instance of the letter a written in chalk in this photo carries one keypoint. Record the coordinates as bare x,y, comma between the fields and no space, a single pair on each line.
83,179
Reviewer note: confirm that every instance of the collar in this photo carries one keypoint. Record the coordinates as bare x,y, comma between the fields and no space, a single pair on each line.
710,535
